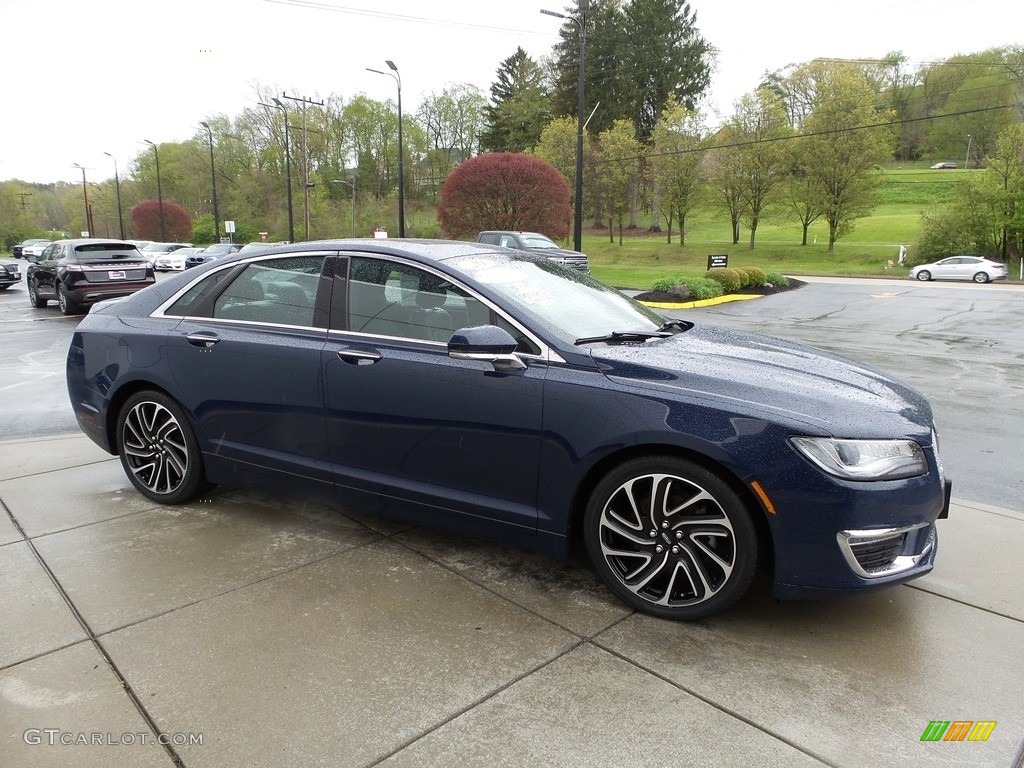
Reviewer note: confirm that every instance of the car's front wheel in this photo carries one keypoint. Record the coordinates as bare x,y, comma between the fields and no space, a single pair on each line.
158,449
670,538
33,295
981,277
924,275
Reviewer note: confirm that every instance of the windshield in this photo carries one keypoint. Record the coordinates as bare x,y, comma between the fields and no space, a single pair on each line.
220,248
533,240
574,304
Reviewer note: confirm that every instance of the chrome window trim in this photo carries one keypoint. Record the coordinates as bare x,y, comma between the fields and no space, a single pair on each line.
159,312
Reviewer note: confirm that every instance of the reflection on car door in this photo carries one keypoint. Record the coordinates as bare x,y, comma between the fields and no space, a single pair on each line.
250,367
407,422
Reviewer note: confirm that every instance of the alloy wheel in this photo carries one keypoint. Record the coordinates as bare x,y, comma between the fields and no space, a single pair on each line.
154,448
667,540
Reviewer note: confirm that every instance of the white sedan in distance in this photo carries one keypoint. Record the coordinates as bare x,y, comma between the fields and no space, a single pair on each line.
976,268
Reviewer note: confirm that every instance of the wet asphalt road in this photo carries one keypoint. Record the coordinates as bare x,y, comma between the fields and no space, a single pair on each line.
961,345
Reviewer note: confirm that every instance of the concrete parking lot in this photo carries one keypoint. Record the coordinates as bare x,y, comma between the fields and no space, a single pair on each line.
254,630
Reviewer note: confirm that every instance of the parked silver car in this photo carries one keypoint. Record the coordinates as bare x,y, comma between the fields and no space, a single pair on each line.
976,268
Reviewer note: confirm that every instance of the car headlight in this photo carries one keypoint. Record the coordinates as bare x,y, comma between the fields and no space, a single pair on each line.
864,459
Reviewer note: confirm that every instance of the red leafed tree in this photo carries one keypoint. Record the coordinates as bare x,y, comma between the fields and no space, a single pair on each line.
146,222
505,191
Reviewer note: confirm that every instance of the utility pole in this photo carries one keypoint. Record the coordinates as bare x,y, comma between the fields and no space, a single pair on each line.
23,195
305,102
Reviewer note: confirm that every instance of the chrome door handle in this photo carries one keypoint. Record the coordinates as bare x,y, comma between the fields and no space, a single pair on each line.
202,339
354,357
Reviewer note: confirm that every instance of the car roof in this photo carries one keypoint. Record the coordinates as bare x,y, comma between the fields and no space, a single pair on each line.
428,250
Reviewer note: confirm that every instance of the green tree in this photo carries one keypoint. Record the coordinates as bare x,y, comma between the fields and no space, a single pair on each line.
620,171
844,140
519,108
677,163
759,125
1006,167
664,58
725,177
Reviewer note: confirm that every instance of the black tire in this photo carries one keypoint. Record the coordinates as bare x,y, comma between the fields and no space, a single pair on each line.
924,275
33,296
5,286
159,450
67,305
670,538
981,277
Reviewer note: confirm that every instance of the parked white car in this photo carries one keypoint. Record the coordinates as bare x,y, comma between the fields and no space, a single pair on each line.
175,260
976,268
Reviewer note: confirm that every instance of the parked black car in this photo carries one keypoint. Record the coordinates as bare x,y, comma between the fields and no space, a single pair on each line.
10,274
78,273
211,253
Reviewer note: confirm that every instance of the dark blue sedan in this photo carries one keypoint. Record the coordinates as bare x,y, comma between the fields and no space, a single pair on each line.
498,394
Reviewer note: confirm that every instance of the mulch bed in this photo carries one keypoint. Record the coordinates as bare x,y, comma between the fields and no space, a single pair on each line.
766,290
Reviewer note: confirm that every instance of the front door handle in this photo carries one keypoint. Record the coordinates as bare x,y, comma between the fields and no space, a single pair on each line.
203,340
355,357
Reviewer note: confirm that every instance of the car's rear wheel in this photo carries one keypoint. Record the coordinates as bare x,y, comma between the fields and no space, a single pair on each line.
924,275
33,296
158,449
670,538
68,306
981,277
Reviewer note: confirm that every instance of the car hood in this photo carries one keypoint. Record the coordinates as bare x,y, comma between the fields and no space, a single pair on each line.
772,379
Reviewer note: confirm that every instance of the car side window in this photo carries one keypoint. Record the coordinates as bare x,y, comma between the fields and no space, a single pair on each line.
280,291
393,299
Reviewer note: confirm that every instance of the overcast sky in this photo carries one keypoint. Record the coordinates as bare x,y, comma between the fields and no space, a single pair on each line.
84,77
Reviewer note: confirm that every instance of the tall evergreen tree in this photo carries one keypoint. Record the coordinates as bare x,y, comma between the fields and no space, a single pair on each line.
519,107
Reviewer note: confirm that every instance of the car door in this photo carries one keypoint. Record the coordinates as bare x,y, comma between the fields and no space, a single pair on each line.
44,272
246,358
454,442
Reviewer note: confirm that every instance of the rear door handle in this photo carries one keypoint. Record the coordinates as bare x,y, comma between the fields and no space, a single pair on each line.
203,340
355,357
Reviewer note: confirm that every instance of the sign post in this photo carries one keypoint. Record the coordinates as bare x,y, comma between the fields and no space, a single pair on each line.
718,260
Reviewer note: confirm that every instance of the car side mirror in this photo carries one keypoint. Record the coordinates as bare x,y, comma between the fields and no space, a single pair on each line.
32,258
486,343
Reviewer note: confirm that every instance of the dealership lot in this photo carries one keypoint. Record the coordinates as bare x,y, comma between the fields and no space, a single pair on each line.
281,632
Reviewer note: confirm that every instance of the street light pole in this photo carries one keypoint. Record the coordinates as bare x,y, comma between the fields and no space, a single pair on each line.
351,185
213,182
580,21
401,152
287,164
85,194
159,190
117,186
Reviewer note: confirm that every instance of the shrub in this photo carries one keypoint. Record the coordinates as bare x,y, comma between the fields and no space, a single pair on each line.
776,279
703,288
744,276
757,276
666,284
729,278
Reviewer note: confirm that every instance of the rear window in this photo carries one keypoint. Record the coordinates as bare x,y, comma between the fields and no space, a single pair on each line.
105,251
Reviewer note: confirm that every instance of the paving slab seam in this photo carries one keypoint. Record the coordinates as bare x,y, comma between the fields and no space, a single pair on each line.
92,638
60,469
715,705
482,700
506,598
238,587
964,603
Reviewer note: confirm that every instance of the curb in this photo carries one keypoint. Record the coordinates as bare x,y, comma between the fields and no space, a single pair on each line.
695,304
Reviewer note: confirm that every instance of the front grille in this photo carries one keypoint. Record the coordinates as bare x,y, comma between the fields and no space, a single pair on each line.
878,554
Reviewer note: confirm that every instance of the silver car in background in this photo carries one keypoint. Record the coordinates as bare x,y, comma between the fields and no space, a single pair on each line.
976,268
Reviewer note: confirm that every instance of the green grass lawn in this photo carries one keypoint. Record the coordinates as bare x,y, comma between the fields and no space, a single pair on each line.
906,193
